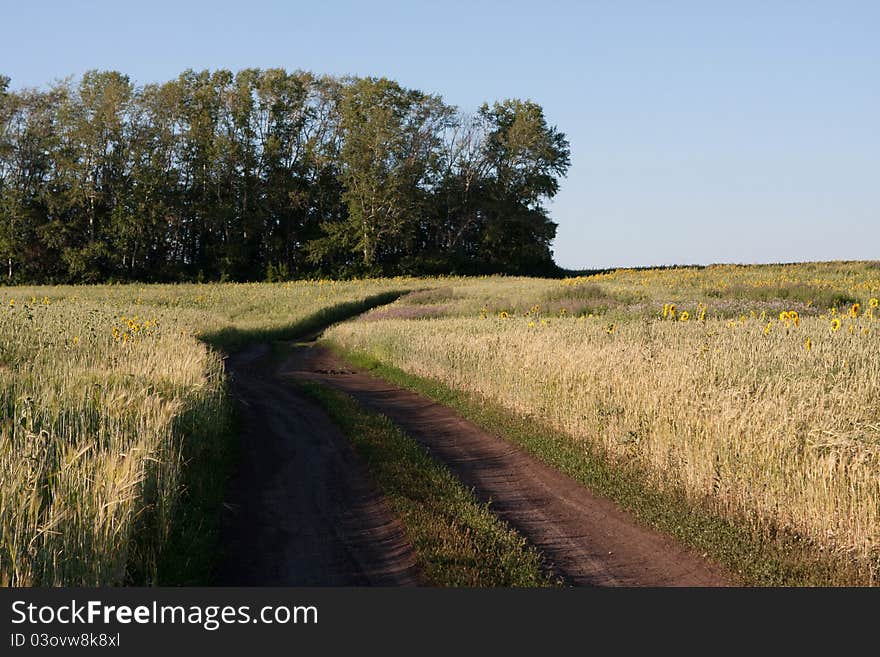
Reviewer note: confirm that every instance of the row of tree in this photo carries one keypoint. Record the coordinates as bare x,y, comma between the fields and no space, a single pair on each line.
265,173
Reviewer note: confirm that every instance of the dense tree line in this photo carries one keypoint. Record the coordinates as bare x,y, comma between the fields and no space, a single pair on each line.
265,173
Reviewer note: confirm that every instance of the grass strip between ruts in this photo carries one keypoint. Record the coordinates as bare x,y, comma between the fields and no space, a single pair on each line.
457,540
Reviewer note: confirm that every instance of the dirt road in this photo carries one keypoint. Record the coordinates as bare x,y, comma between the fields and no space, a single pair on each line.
587,539
300,510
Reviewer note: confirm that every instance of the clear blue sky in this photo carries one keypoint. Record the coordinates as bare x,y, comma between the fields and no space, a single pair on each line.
699,133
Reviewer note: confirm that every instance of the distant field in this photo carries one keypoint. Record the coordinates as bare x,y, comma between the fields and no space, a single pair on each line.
755,391
106,393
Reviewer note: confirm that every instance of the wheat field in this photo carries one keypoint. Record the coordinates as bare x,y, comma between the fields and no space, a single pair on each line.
753,390
738,386
104,391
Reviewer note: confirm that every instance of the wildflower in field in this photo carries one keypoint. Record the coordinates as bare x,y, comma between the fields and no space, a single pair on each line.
484,312
783,316
563,312
703,314
874,302
794,317
531,325
503,314
12,303
685,316
665,310
854,310
767,328
852,329
75,339
835,325
610,329
866,331
672,310
809,344
46,301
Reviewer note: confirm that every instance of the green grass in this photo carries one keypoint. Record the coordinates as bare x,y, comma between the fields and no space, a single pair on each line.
768,559
457,540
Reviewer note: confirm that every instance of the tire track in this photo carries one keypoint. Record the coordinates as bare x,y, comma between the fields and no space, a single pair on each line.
300,509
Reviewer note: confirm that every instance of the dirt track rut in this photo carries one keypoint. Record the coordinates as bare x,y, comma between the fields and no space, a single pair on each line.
300,510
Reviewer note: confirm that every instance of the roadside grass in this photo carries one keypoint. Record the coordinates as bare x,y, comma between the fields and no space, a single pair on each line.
768,558
191,553
458,541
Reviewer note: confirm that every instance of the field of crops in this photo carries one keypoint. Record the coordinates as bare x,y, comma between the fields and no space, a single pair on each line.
107,392
753,390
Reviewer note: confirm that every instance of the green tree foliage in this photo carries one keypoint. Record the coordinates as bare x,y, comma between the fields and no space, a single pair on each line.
266,173
525,157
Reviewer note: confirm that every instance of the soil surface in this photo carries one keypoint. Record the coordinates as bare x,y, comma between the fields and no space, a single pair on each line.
300,510
586,539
